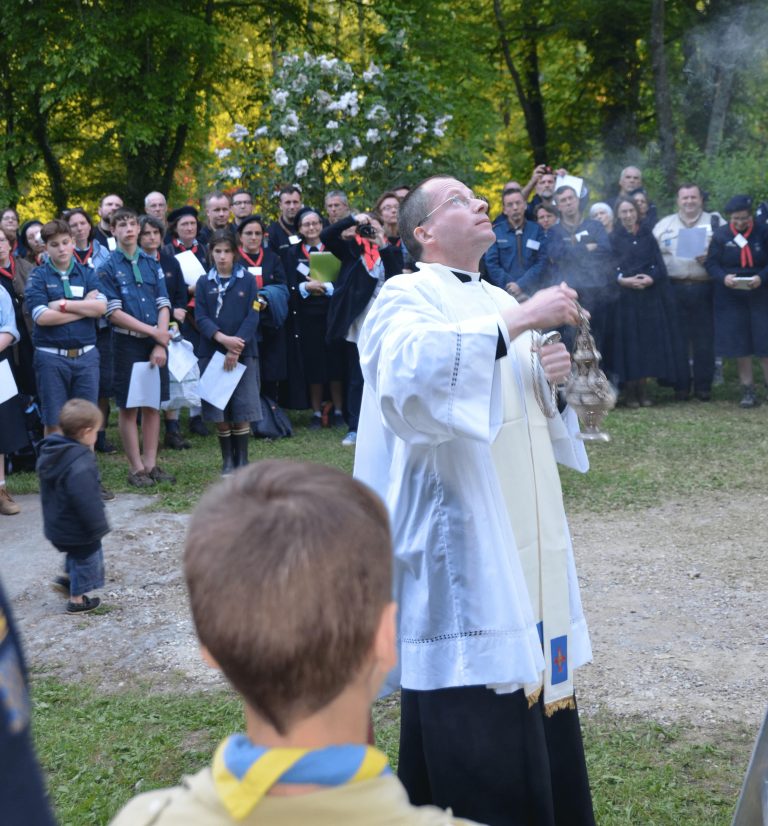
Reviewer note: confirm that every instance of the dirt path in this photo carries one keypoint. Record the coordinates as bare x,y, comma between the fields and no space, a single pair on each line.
675,598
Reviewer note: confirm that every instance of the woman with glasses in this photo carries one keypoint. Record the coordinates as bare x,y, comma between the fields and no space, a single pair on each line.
321,362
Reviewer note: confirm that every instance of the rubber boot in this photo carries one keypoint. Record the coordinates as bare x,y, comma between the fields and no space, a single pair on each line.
240,446
642,394
225,443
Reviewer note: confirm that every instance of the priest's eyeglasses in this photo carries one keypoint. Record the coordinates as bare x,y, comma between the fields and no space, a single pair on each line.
455,200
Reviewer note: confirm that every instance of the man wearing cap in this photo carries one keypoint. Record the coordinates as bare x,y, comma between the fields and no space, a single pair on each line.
738,263
691,285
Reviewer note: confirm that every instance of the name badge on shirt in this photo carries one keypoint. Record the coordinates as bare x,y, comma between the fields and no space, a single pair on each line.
741,240
294,239
254,270
302,268
77,292
112,244
532,244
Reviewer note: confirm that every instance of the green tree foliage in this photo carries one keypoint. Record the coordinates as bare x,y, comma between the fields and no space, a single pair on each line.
327,127
100,95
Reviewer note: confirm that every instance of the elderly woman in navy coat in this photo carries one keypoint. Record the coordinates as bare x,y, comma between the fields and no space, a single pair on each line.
738,263
647,343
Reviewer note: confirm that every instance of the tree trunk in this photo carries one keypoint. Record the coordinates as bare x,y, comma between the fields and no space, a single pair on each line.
665,120
529,95
8,106
53,167
724,76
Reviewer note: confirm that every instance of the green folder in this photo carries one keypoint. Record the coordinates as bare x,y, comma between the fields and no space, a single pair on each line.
323,266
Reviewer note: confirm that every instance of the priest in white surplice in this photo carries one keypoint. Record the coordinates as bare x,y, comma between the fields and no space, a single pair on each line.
453,438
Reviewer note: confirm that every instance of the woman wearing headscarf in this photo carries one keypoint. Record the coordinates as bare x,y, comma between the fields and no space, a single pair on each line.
603,213
738,263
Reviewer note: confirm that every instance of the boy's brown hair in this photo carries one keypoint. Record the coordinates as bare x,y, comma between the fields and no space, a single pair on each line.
122,214
77,415
289,569
54,228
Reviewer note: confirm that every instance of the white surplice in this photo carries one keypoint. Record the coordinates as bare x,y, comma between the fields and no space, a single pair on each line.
433,405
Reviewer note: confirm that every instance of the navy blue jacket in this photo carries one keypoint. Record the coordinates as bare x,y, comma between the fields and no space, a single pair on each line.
580,267
273,287
142,301
175,285
502,263
239,315
22,790
724,254
45,285
73,511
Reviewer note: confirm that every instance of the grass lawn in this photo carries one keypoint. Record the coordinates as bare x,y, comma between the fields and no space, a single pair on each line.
100,749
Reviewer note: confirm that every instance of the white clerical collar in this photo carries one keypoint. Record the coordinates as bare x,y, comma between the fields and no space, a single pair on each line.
456,272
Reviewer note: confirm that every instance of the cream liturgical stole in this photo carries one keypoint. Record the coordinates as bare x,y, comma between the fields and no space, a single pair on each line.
527,472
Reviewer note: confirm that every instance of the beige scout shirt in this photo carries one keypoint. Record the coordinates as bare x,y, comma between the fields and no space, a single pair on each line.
666,232
378,802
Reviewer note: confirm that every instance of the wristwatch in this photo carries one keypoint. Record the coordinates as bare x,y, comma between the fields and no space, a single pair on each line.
63,305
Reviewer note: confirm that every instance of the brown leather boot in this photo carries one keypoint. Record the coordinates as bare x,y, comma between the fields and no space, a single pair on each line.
7,506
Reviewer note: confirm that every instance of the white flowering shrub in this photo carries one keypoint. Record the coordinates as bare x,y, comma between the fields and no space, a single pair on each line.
325,127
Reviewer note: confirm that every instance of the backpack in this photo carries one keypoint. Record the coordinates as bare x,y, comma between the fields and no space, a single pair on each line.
274,423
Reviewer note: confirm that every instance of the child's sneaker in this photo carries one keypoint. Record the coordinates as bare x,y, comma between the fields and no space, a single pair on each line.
88,604
61,584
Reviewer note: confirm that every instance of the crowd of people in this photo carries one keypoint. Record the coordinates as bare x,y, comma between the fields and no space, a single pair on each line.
85,299
436,368
669,297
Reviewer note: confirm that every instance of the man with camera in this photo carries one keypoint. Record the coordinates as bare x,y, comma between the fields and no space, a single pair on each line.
367,260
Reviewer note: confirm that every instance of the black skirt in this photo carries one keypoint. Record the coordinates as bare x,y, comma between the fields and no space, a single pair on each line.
13,430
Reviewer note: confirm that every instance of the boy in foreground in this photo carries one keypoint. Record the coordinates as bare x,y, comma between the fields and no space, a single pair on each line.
289,570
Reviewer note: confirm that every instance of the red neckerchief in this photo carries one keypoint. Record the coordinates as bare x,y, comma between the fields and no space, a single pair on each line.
179,246
10,270
747,261
257,263
88,254
370,252
305,249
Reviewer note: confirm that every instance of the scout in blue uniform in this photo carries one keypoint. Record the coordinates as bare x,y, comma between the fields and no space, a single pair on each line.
738,263
64,299
139,311
227,307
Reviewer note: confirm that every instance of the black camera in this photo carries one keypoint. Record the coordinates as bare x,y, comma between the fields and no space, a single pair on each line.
366,231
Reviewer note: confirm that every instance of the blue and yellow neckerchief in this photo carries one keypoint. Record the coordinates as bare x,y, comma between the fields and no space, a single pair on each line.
243,773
